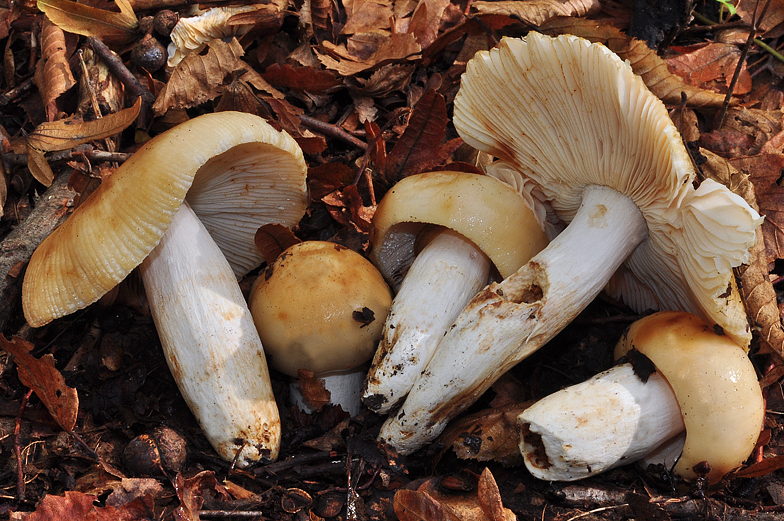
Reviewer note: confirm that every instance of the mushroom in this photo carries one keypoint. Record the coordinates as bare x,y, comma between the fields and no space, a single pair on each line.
573,118
478,220
702,382
321,308
241,173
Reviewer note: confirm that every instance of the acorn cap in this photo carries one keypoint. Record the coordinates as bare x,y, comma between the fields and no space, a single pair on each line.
244,174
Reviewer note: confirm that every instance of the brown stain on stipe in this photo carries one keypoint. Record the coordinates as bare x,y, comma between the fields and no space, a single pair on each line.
538,457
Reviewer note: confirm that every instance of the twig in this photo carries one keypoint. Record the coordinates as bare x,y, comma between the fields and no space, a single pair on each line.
743,53
12,94
332,131
229,513
18,246
20,482
86,150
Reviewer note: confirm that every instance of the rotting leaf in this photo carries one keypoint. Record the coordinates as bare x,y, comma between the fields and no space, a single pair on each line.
40,375
191,493
469,507
762,468
273,239
325,179
643,60
110,27
487,435
301,79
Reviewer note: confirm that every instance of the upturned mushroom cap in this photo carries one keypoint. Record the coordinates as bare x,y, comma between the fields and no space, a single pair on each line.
251,171
714,382
602,127
322,309
481,208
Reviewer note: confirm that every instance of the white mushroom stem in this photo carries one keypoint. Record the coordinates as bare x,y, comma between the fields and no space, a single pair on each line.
610,420
210,342
506,322
345,390
443,278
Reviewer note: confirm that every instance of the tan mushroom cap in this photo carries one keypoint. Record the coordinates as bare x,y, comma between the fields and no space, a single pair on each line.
322,309
603,127
714,382
235,161
481,208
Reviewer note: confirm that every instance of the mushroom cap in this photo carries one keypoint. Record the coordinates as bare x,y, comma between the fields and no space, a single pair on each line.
714,382
239,166
486,211
595,123
322,309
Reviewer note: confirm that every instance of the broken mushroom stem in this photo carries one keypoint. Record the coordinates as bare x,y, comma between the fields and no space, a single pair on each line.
440,233
612,419
555,285
689,394
196,302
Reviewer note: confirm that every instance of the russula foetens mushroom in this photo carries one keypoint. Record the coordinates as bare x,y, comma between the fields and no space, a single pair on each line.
321,308
703,400
478,220
232,166
573,118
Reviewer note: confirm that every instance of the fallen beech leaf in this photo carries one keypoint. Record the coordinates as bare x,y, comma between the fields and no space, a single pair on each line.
392,48
40,375
366,15
774,15
333,439
65,134
313,391
130,489
710,66
325,179
110,27
417,149
643,60
537,12
198,79
426,21
762,468
56,72
39,167
755,286
274,239
300,79
191,494
412,505
75,506
490,497
383,81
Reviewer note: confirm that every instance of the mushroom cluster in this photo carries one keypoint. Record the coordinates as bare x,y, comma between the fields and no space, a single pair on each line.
186,206
697,409
320,307
604,154
435,238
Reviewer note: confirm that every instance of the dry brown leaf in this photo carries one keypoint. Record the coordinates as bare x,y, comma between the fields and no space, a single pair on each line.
198,79
711,67
644,61
490,497
488,435
301,79
427,20
110,27
68,133
755,286
774,16
76,506
56,72
537,12
393,48
40,375
366,15
468,506
274,239
759,125
313,391
412,505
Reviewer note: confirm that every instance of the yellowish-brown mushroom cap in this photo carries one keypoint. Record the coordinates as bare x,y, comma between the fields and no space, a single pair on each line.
321,309
238,165
481,208
714,382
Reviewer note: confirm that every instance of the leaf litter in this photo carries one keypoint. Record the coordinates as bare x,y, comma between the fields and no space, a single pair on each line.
366,88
